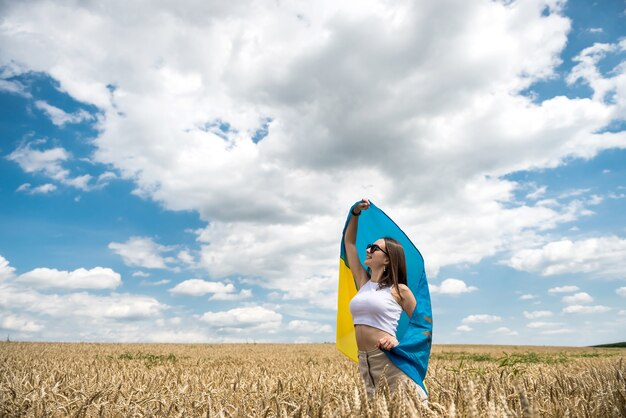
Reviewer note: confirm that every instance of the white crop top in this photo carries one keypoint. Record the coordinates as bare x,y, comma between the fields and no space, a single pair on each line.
376,308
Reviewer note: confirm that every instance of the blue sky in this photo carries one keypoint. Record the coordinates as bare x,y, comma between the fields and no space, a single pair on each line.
190,184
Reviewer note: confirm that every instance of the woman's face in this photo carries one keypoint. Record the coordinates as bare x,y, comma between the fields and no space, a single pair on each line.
375,255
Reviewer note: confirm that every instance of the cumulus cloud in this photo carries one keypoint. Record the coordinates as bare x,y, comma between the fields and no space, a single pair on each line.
18,323
309,327
481,318
563,289
272,138
452,287
186,258
199,287
581,297
80,306
540,324
503,331
557,331
587,69
527,296
243,317
6,271
95,278
621,291
602,256
181,337
48,162
245,143
243,294
59,117
42,189
586,309
30,313
464,328
156,283
15,87
141,252
537,314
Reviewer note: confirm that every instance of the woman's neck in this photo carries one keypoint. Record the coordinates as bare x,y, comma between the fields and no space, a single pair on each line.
376,275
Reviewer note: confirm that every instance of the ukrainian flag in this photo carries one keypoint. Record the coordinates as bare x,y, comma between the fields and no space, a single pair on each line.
415,333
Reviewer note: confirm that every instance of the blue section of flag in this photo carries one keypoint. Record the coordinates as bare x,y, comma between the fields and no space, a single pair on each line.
414,334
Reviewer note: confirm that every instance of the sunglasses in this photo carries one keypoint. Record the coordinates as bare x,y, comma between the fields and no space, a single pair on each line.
372,248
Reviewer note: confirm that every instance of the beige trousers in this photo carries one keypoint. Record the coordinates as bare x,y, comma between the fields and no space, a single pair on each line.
374,364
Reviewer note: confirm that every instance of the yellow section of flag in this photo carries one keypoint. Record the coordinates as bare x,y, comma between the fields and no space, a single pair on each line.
346,338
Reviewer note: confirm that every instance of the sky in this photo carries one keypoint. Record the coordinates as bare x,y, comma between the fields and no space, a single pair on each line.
181,171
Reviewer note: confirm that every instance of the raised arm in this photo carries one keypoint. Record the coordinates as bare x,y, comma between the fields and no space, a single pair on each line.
349,239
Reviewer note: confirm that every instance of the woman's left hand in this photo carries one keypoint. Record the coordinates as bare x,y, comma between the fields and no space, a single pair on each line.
387,343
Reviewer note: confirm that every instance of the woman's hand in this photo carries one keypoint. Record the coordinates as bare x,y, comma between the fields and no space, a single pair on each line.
364,204
387,343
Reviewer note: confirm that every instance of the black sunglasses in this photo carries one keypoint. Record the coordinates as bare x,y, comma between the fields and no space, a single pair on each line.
374,247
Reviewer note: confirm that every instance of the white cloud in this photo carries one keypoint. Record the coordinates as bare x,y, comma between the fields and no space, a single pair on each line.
159,124
95,278
539,324
242,317
117,306
309,327
586,309
80,182
621,291
622,312
49,163
141,252
581,297
537,314
78,316
6,271
186,258
527,296
450,91
140,274
481,318
43,189
243,294
602,256
557,331
503,331
464,328
157,283
15,87
180,337
59,117
18,323
199,287
537,193
80,306
587,70
563,289
452,287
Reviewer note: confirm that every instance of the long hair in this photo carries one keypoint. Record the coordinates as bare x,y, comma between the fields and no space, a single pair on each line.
395,273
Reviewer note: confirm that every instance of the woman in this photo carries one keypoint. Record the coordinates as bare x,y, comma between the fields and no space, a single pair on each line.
382,296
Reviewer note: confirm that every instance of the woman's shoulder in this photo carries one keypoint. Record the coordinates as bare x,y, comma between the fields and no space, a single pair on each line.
403,287
404,290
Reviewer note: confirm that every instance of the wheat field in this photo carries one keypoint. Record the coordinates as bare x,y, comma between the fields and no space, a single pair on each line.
308,380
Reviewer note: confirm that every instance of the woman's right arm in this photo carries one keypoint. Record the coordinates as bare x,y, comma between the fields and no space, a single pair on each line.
349,240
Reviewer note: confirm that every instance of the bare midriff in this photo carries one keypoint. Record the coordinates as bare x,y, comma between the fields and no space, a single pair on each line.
367,337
